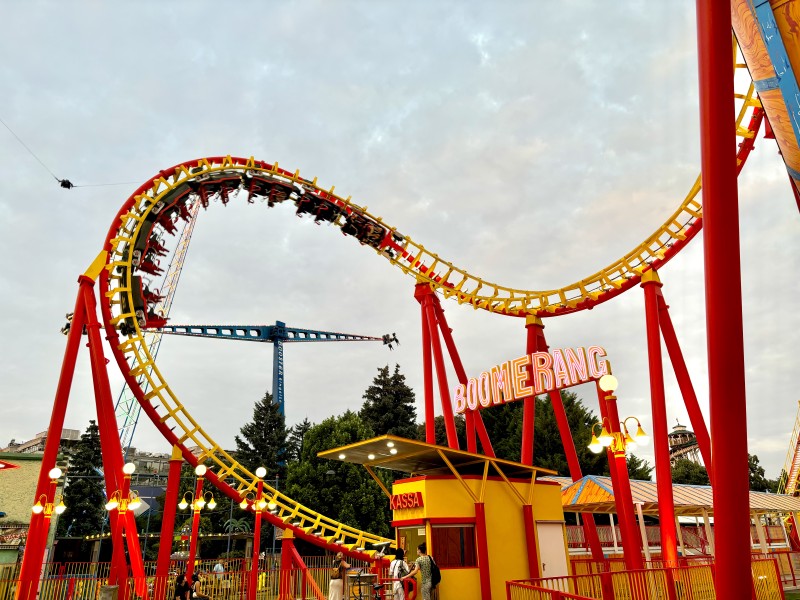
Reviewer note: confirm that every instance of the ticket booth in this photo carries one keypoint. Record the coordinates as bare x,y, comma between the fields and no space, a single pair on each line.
484,520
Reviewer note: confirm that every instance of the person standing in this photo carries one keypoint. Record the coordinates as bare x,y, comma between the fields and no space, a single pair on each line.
422,565
398,569
336,588
219,570
181,588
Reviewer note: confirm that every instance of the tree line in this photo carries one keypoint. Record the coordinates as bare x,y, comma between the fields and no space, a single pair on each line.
342,491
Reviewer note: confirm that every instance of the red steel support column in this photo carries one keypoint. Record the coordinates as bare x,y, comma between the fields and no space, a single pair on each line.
483,551
168,523
589,528
530,541
723,287
110,446
252,584
461,374
34,551
285,586
198,496
427,374
684,382
620,482
666,517
441,375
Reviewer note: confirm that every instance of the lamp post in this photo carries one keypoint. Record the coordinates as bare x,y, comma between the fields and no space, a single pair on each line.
258,504
46,506
616,440
198,503
121,501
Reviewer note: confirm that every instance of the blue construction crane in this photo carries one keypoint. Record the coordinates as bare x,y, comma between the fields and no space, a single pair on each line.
278,334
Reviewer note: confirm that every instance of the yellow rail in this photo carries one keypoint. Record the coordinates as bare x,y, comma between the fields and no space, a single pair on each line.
170,415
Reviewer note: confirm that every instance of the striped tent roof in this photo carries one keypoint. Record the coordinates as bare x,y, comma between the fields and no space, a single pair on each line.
594,494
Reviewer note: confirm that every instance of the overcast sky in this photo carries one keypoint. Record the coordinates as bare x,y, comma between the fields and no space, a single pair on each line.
530,143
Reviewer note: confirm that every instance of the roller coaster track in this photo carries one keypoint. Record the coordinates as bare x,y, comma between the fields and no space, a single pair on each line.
171,194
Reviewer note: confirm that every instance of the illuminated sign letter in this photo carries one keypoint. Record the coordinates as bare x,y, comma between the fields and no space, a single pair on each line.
519,374
560,370
472,393
460,399
542,372
502,391
576,364
485,389
596,359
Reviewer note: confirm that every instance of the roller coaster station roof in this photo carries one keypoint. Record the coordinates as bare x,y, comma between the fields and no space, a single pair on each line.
420,458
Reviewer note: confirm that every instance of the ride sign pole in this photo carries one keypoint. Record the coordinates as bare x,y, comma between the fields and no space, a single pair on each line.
589,527
252,582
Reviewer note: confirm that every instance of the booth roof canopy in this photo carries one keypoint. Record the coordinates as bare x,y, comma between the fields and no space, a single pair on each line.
420,458
594,494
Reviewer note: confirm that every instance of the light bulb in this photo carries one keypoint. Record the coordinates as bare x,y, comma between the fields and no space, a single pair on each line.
608,383
371,457
112,504
200,503
641,437
272,506
183,504
261,472
128,468
54,473
342,456
262,504
37,508
135,503
605,438
243,504
390,444
595,446
60,508
200,470
212,504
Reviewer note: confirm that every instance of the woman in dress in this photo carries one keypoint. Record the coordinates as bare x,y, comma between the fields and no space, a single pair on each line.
398,569
336,589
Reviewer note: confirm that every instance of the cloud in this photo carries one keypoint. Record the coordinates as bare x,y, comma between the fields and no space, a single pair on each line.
530,144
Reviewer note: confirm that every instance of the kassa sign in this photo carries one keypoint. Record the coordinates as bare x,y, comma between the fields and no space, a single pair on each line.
407,500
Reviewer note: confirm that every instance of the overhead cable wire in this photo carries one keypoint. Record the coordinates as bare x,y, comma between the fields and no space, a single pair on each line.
24,145
65,183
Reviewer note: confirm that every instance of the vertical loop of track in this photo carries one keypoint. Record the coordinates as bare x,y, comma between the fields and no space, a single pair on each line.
164,197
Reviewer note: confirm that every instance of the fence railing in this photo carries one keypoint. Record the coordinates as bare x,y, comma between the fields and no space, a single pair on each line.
694,582
82,581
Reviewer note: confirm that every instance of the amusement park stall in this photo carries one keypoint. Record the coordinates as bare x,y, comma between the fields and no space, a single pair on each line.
484,520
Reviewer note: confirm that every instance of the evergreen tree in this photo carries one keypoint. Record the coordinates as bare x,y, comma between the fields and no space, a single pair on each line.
441,431
294,442
263,440
504,426
389,405
548,449
84,493
638,468
342,491
689,472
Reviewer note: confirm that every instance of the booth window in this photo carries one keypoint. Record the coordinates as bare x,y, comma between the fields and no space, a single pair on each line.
454,545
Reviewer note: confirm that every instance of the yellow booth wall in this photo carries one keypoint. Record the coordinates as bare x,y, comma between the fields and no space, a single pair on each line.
445,500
